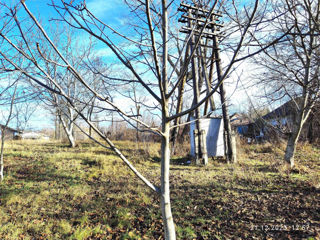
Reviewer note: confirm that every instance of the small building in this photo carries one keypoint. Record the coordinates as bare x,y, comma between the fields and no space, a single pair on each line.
282,117
242,125
34,136
213,128
9,133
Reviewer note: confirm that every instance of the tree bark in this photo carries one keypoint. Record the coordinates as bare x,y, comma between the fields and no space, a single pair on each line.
1,157
292,142
230,150
310,134
71,139
69,131
3,132
290,150
201,156
169,227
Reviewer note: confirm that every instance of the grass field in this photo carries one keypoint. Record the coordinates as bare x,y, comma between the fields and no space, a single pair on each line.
53,192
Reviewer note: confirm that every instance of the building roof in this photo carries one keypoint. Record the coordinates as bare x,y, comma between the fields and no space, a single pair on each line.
238,119
284,110
11,129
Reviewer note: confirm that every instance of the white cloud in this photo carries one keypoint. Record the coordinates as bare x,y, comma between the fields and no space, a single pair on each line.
122,21
100,7
104,52
107,52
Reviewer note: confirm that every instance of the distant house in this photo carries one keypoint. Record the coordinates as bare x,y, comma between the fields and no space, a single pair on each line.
282,117
9,133
312,126
242,125
279,119
34,136
277,123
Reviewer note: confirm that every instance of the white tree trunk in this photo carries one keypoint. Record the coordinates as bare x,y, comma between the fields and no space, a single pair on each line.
1,155
1,166
167,218
292,143
68,129
290,151
1,169
71,139
169,228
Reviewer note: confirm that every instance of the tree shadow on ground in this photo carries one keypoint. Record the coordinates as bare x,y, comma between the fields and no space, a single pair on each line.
245,213
182,161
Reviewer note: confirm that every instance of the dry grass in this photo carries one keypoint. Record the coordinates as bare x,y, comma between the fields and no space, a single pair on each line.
53,192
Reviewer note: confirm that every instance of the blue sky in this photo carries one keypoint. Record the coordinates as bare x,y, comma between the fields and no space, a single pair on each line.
107,10
112,12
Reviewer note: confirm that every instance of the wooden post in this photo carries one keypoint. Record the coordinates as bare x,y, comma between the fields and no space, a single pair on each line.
195,17
196,146
203,136
230,151
175,131
208,82
196,93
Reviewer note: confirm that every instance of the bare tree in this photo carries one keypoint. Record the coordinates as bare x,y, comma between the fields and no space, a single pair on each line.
80,55
17,103
23,111
292,66
154,42
9,97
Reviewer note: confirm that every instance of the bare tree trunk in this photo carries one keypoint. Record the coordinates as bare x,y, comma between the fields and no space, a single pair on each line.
290,150
1,153
165,184
137,106
201,156
177,121
90,119
71,139
3,132
175,131
56,125
69,131
58,121
310,134
292,143
208,83
169,228
299,118
231,152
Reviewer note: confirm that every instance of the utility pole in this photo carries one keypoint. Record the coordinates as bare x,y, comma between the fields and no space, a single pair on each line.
202,24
